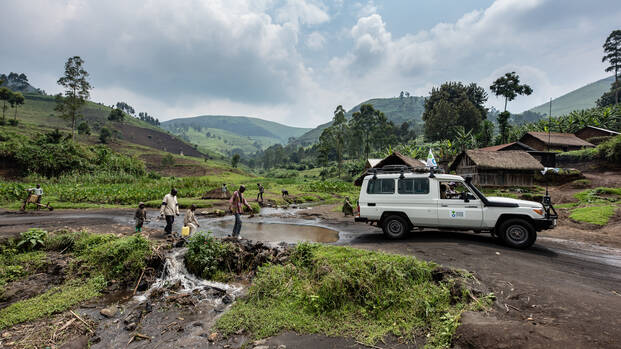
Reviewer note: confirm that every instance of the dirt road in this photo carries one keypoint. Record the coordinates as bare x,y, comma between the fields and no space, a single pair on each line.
559,294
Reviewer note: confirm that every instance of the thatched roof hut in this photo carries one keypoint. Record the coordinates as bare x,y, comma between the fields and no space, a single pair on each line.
491,168
555,141
395,158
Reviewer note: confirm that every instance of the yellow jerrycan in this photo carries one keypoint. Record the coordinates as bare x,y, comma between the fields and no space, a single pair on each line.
185,231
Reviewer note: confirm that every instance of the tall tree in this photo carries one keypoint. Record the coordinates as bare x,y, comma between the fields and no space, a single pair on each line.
612,54
364,122
509,87
77,92
5,96
453,104
16,100
339,126
503,126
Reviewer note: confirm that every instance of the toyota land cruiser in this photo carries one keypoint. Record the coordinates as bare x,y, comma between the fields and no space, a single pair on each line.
398,201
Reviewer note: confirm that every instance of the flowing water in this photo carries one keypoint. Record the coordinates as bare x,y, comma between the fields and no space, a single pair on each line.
174,272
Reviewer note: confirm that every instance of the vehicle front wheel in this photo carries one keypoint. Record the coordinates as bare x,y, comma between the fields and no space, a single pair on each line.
395,227
517,233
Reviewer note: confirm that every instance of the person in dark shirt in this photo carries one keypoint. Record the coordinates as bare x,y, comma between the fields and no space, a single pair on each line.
140,217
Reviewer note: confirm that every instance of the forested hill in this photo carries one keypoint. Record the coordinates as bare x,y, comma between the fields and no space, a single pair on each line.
225,134
398,110
578,99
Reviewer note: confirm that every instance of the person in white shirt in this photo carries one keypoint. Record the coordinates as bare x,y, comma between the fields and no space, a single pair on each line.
169,209
37,191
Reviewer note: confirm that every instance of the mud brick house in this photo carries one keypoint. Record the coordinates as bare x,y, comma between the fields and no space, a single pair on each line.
395,158
556,141
595,135
511,168
546,158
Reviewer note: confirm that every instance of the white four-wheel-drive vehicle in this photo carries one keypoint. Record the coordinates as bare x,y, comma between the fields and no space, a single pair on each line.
399,200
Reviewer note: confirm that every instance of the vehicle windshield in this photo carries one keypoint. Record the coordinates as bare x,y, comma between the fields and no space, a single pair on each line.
476,190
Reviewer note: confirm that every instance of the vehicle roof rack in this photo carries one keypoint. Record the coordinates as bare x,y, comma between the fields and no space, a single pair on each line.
388,169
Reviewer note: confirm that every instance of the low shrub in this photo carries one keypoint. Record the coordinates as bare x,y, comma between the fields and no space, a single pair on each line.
32,239
205,256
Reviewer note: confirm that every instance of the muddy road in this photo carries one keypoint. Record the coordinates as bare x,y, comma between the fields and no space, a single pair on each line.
560,293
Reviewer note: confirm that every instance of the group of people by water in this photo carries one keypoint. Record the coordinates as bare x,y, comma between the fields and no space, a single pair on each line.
169,209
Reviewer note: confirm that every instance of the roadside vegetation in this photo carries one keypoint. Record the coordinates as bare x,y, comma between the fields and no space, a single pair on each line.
595,206
93,261
343,291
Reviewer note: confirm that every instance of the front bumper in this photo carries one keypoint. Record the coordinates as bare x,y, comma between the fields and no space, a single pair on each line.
544,224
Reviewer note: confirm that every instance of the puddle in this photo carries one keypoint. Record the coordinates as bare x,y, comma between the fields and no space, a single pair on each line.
276,232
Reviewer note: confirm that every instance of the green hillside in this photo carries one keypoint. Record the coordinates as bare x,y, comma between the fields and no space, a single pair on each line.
397,110
581,98
38,114
223,134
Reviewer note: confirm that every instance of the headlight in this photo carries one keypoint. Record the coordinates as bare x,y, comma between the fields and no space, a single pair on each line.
538,211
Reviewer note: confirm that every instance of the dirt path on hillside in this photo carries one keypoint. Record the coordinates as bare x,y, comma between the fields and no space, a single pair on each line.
558,294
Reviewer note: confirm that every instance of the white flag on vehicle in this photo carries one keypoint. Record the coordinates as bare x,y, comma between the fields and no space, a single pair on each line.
431,160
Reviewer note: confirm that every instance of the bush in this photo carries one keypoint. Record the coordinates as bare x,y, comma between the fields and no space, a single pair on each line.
168,160
13,122
118,258
52,154
104,135
84,129
32,239
205,256
611,150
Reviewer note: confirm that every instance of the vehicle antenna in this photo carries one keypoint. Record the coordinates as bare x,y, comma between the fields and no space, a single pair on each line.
547,199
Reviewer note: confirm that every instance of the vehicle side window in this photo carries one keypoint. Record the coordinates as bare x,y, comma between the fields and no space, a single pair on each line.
381,186
413,186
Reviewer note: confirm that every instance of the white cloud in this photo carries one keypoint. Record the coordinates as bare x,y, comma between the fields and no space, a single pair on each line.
186,57
552,54
315,40
301,11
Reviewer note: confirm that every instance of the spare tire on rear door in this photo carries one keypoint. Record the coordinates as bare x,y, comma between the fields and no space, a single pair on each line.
395,227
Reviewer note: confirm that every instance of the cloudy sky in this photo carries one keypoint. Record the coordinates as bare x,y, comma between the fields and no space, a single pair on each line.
294,61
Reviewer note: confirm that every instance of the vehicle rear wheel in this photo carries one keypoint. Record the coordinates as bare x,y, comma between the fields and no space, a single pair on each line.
395,227
517,233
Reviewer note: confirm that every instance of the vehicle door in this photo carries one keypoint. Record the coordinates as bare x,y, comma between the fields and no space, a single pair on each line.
458,206
415,199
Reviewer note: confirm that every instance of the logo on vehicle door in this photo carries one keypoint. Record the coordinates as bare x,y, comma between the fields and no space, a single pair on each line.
456,214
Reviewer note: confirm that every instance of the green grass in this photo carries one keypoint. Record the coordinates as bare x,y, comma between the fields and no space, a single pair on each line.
599,195
341,291
599,215
567,205
94,259
53,301
15,265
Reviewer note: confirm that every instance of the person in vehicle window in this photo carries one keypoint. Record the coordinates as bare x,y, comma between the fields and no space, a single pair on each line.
442,191
450,192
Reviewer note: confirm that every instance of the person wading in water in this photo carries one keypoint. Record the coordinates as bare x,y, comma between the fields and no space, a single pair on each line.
236,204
169,209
